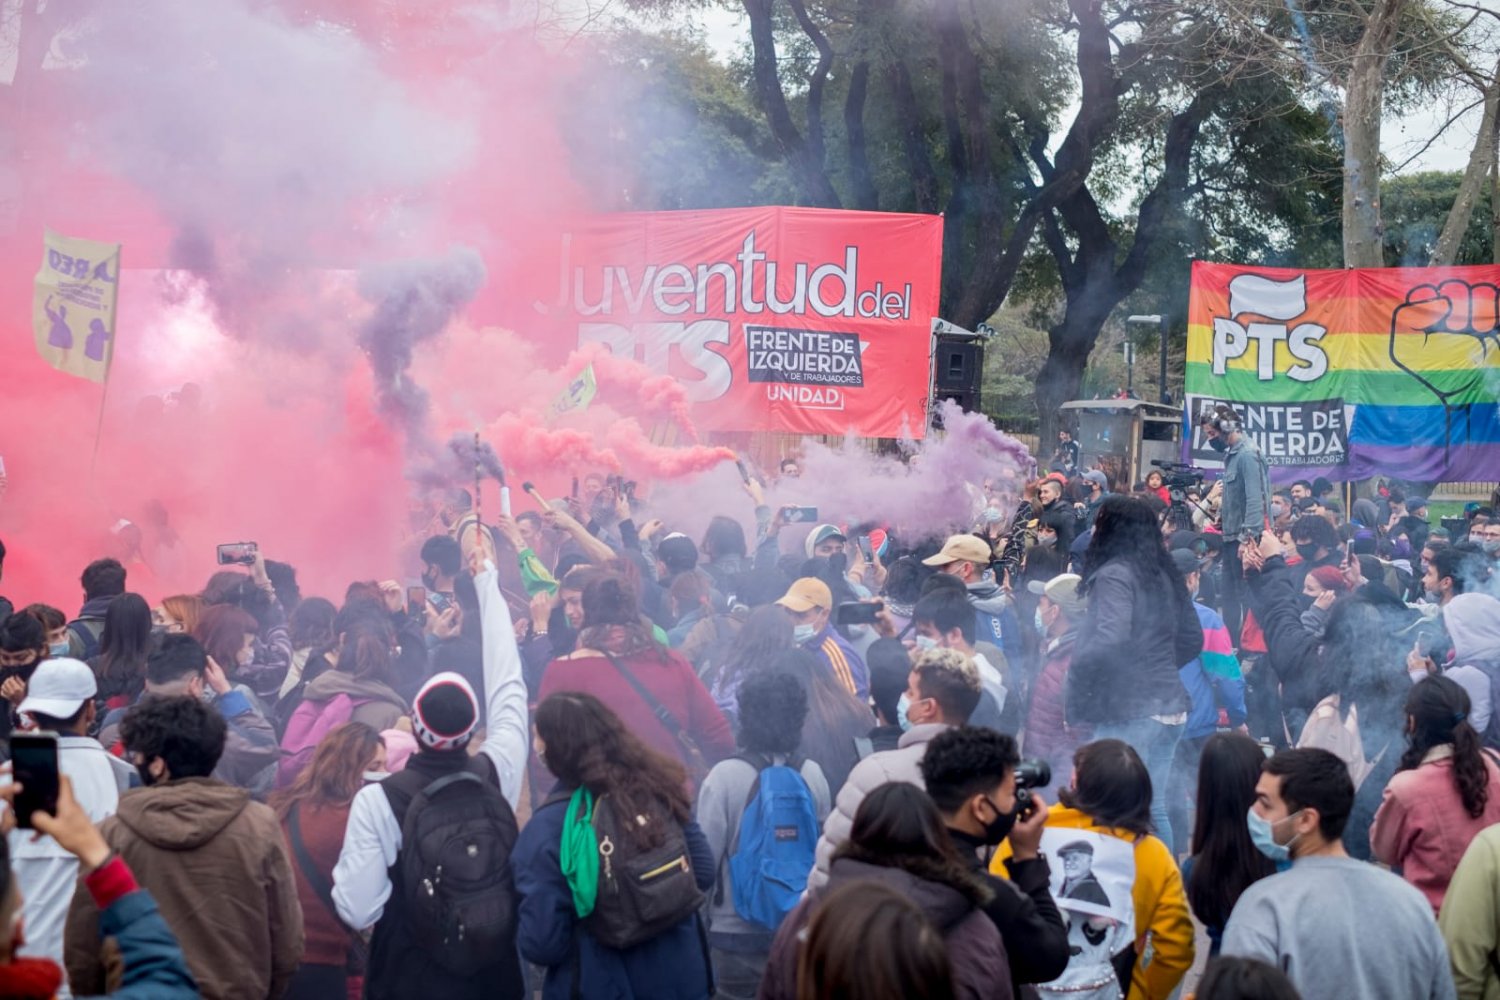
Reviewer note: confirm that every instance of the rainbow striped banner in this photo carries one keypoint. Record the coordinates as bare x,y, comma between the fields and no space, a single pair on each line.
1352,374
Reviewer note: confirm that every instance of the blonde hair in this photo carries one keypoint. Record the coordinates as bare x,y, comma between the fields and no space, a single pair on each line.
951,662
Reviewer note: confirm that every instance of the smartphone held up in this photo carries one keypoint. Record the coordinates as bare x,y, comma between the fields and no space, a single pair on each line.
34,767
238,553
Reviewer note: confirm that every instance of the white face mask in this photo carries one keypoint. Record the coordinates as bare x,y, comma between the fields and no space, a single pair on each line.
370,776
804,632
925,642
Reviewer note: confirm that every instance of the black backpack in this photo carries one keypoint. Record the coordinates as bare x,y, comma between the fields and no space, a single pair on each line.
642,891
460,897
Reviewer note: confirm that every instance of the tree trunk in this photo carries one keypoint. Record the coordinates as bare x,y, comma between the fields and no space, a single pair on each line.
924,179
860,177
1364,232
1495,201
1475,175
807,169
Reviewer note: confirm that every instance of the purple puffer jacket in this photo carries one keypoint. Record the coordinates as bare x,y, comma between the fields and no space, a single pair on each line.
1048,734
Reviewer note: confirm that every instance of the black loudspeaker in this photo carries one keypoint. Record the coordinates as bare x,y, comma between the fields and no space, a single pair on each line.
957,368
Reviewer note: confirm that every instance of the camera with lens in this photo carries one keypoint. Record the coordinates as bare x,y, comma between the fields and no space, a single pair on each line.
1179,478
1030,774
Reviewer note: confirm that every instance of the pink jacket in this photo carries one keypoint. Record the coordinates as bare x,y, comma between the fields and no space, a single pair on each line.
1422,827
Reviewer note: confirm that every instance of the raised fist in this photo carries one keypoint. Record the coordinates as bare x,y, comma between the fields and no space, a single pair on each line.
1441,336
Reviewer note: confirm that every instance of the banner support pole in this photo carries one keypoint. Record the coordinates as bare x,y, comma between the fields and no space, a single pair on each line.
109,358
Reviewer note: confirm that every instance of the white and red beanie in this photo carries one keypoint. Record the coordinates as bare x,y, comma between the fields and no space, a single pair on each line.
445,712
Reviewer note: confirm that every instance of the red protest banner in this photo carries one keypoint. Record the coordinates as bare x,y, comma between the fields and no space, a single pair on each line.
797,320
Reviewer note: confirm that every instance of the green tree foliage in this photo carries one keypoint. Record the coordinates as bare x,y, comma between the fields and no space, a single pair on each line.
654,121
1416,206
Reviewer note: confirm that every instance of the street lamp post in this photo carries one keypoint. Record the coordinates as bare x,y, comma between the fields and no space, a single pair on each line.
1161,326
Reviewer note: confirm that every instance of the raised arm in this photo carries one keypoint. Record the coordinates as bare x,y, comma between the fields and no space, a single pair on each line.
598,551
507,738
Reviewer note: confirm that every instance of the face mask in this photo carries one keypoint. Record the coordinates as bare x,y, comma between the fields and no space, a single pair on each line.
1490,545
998,828
1045,540
1041,626
1263,835
925,642
992,515
1277,510
429,580
1308,551
1431,596
901,708
58,648
838,562
803,633
245,657
370,776
1218,444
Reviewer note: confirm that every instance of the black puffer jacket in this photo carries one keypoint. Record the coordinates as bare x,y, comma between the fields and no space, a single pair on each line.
1135,636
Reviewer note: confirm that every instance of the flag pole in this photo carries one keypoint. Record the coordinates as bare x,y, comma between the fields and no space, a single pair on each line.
109,357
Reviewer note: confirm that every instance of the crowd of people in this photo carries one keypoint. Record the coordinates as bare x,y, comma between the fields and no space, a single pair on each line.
1056,755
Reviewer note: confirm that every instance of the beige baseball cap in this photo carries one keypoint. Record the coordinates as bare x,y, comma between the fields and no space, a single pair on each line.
962,548
806,594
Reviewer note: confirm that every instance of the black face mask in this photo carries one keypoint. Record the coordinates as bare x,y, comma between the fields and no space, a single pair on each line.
838,562
1307,551
429,580
1218,444
997,829
144,770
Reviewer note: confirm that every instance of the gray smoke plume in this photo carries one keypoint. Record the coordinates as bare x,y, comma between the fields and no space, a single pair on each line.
273,149
414,301
462,447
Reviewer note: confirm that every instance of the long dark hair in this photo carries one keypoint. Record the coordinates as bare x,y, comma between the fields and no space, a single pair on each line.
867,940
835,717
1364,666
311,625
1126,530
612,617
1229,978
1439,710
1225,861
1111,786
588,746
368,649
725,537
898,826
766,634
124,644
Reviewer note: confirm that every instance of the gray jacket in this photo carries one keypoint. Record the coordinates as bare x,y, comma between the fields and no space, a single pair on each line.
721,803
904,764
1247,491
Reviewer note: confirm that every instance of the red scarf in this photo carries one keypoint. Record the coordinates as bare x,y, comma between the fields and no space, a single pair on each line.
30,979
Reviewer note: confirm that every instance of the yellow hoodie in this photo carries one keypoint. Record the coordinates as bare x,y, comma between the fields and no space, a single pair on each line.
1163,927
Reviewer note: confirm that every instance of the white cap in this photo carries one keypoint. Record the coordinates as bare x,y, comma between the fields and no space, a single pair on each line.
59,688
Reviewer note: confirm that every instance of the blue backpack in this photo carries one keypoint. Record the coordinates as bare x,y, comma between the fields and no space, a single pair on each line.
776,844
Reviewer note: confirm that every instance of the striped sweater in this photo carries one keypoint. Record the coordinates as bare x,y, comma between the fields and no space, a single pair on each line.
841,659
1213,679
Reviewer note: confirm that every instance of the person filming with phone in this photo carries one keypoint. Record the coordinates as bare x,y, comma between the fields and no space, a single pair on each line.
149,958
60,701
